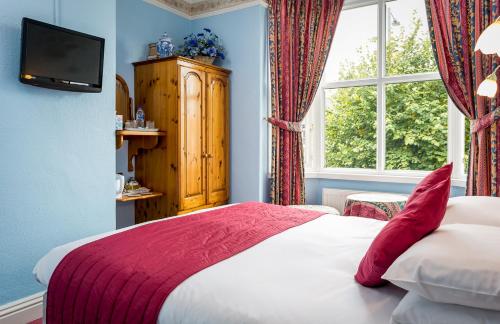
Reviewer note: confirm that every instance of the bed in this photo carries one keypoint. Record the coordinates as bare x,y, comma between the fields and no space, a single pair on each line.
303,275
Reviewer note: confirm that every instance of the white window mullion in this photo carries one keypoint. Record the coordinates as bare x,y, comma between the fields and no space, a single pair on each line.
396,79
351,83
456,140
381,127
418,77
381,87
451,132
321,127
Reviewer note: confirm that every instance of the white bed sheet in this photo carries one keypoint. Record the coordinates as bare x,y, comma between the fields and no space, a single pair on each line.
303,275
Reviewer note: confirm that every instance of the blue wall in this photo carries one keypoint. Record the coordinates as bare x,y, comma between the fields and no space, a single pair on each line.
243,33
314,188
138,24
57,165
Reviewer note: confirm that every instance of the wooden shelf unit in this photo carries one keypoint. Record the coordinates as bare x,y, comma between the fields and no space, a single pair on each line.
137,140
142,197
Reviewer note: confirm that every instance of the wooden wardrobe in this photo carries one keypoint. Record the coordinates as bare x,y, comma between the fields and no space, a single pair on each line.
189,101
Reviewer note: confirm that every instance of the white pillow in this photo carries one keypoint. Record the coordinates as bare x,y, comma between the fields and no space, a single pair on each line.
473,210
414,309
456,264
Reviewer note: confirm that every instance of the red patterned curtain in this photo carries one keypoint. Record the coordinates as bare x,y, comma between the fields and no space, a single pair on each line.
455,25
300,35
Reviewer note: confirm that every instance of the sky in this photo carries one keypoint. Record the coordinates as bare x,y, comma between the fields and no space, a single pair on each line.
357,26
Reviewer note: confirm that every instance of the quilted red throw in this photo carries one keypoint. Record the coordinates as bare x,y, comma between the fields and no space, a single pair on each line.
126,277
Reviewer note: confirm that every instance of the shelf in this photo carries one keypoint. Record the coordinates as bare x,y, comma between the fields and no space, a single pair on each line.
123,135
148,196
138,140
126,133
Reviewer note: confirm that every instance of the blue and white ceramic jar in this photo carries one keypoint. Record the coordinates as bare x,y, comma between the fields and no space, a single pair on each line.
164,46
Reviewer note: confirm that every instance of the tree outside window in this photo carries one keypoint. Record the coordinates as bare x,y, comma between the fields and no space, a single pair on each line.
385,107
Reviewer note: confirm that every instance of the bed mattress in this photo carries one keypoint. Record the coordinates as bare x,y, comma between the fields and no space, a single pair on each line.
303,275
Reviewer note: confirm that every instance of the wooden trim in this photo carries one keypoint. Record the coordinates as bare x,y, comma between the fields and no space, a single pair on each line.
182,59
187,211
127,113
123,82
22,310
139,133
142,197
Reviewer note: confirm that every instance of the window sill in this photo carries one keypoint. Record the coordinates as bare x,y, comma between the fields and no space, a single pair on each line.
377,177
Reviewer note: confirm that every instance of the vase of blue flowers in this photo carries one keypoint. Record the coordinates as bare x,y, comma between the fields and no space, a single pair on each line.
204,46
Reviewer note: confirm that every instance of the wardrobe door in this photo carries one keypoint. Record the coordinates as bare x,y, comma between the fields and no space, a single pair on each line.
217,138
192,128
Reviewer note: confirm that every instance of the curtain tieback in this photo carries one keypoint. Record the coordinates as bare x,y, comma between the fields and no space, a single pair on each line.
485,121
286,125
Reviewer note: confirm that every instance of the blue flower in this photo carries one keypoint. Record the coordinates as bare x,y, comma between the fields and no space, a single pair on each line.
204,43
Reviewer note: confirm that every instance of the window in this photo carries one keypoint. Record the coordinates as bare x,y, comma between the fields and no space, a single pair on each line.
382,109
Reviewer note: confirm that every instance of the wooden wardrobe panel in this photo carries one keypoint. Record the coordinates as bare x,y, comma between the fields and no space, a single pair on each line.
217,137
192,138
156,87
189,101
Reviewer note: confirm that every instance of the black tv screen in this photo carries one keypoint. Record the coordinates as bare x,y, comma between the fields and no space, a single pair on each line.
60,58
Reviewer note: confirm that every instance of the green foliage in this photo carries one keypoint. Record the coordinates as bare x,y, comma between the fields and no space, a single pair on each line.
417,126
416,113
350,127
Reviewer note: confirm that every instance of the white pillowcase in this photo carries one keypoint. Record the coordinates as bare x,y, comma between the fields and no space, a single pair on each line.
456,264
473,210
414,309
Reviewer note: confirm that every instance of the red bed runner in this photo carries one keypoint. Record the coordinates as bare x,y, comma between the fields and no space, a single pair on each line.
126,277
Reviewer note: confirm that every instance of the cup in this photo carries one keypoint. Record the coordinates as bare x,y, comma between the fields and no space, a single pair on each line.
150,124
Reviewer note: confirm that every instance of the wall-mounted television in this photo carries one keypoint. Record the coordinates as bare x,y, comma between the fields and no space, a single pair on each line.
59,58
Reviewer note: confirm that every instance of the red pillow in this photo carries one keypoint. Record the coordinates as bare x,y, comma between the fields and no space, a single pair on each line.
422,214
430,180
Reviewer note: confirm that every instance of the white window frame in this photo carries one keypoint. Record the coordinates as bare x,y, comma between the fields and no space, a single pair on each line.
315,152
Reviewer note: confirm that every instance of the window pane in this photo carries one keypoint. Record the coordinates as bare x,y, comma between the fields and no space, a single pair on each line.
351,127
353,53
408,44
416,126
